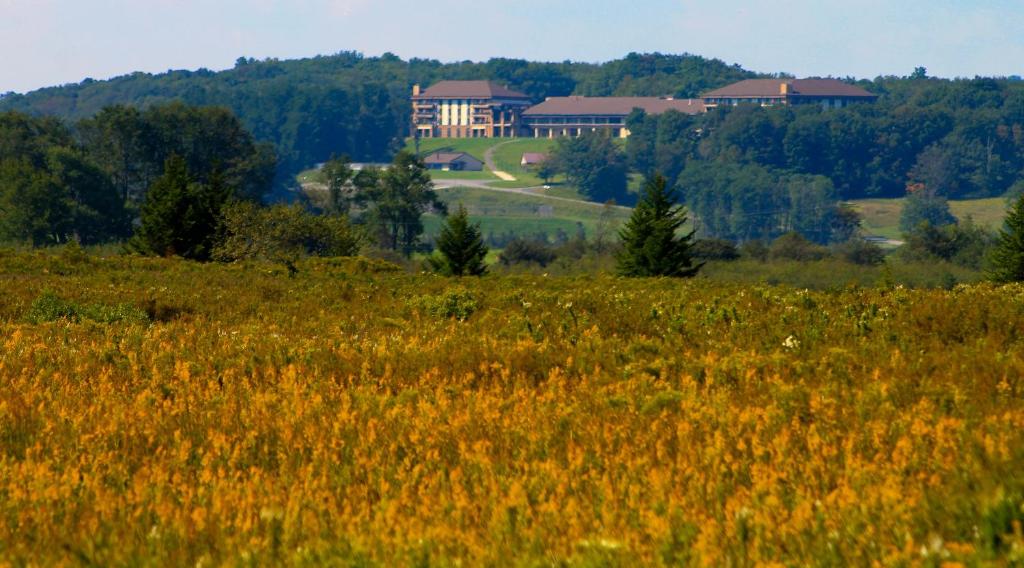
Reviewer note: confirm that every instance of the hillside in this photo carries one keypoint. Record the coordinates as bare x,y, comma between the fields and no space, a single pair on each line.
347,103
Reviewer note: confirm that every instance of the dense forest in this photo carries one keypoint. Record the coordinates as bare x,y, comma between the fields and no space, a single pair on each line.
359,106
961,138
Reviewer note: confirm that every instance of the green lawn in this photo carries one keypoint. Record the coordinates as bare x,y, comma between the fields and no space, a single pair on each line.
507,156
311,176
483,175
882,216
523,215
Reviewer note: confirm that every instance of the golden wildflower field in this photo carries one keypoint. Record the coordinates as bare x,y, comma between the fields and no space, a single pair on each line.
159,412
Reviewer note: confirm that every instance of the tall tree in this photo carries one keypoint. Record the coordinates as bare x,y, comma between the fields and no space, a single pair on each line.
98,212
1007,260
594,164
461,247
181,216
650,239
34,206
338,174
398,200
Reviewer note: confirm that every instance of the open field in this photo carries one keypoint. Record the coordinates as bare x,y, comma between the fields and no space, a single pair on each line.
525,215
508,153
163,412
882,216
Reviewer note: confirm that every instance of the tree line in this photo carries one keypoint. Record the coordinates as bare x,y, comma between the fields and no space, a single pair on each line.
191,182
311,109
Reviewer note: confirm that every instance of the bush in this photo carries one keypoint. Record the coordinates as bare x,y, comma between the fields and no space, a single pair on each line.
522,251
859,251
49,307
715,249
793,246
965,244
453,304
285,234
756,250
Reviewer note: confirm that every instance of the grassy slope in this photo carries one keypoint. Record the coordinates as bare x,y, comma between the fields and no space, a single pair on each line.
500,212
507,156
882,216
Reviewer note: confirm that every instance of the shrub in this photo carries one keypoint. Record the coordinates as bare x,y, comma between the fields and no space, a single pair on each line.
522,251
859,251
49,307
285,234
756,250
793,246
715,249
965,244
452,304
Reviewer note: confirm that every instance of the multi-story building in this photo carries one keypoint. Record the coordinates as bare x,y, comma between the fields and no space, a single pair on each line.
829,93
572,116
467,109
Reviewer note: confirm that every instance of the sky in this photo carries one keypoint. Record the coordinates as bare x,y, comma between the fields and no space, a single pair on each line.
51,42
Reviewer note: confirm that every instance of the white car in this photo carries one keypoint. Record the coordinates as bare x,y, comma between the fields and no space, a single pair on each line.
547,187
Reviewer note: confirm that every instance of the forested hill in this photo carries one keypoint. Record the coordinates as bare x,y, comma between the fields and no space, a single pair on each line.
347,103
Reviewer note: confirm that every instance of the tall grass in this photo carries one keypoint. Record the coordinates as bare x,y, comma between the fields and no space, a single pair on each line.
356,415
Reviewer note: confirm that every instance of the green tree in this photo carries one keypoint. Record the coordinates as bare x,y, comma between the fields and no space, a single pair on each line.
461,247
594,164
547,169
1007,259
921,207
338,174
651,245
97,210
284,234
34,206
398,199
180,216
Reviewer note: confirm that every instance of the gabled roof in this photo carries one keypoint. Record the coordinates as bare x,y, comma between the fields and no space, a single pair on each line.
533,158
447,157
612,106
768,88
470,90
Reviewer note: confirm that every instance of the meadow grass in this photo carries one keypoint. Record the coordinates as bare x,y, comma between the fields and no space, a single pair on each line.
882,216
358,415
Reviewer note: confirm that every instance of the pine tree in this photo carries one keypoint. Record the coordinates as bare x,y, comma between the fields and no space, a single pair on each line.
461,246
179,216
650,244
1007,261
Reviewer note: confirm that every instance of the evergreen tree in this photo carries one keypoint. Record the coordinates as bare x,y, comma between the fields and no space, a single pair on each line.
651,246
461,246
1007,261
181,217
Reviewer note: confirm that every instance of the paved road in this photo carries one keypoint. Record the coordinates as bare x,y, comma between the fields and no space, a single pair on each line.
530,191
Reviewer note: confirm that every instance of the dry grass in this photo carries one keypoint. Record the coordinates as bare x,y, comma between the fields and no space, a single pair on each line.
359,416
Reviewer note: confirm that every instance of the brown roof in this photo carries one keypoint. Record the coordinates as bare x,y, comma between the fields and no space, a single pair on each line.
447,157
613,106
470,90
533,158
767,88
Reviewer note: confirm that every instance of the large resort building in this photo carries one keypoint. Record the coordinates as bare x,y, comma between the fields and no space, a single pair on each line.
572,116
828,93
468,109
484,109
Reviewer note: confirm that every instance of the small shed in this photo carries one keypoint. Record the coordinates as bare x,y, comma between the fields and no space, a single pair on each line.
453,162
532,159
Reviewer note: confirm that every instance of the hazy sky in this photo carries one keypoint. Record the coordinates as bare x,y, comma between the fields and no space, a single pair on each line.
48,42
